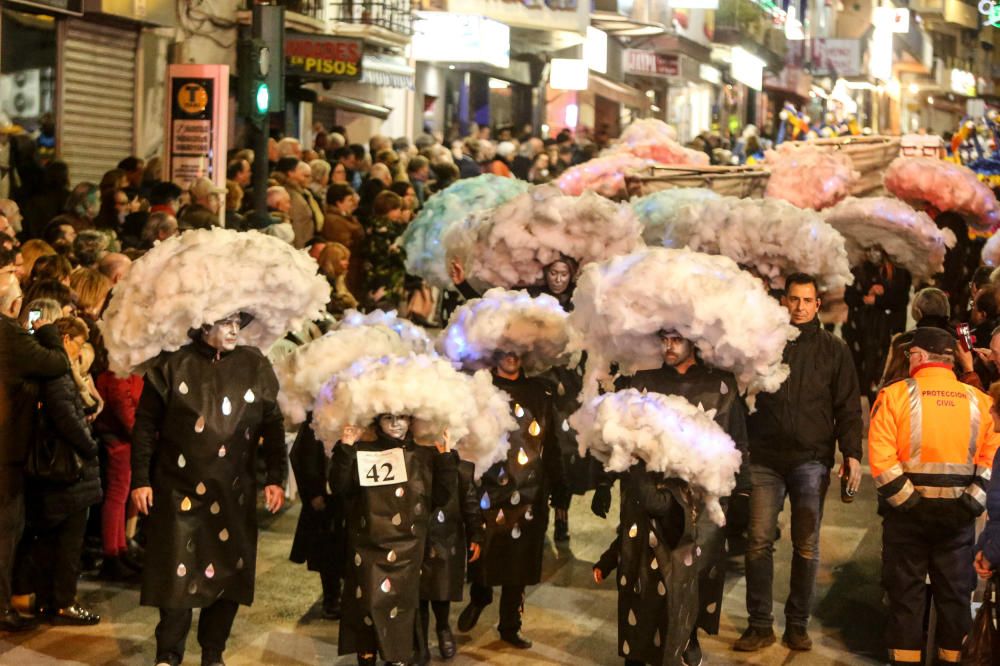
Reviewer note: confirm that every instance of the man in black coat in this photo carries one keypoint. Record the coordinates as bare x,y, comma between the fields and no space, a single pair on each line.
25,360
514,501
793,435
203,410
684,374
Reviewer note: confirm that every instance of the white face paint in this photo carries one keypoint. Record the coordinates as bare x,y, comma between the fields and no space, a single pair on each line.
223,334
394,425
875,255
557,277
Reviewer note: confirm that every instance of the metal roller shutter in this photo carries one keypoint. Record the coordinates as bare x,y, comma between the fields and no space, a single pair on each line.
96,97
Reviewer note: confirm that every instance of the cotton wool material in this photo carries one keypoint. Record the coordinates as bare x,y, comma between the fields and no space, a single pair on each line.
303,373
991,251
909,237
656,211
536,328
621,304
425,252
808,176
604,175
474,413
655,140
412,335
203,276
668,433
509,246
944,185
769,236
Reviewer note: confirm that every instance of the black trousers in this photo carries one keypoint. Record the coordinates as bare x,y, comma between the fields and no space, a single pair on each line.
214,626
11,526
56,554
912,550
511,604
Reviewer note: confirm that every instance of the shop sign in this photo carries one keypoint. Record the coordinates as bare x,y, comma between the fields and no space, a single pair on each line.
963,83
196,118
826,57
647,63
441,37
323,57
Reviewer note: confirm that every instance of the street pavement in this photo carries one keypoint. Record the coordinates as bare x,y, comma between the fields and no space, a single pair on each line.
569,618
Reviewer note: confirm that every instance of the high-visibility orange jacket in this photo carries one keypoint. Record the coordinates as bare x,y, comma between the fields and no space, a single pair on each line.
931,437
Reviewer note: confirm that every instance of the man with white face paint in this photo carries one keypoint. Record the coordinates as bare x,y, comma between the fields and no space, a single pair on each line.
203,411
683,373
389,486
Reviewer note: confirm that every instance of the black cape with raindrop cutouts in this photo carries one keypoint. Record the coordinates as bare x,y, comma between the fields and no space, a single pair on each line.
386,536
195,442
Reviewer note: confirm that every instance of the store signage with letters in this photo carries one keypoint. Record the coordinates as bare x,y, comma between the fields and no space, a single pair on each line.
323,57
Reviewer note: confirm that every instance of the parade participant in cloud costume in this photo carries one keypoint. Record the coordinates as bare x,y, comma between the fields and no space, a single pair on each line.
946,187
675,463
658,210
515,335
394,481
320,537
194,314
808,176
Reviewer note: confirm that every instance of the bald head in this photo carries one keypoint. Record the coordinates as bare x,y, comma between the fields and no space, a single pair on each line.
114,266
10,295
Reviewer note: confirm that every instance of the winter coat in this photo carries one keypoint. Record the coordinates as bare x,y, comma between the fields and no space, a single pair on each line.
348,231
121,399
386,535
817,407
196,216
453,527
303,220
385,258
656,557
712,389
582,473
25,360
514,493
320,540
989,540
63,423
195,442
869,328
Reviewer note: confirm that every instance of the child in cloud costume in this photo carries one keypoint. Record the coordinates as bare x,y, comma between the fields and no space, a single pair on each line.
516,335
414,407
193,315
674,463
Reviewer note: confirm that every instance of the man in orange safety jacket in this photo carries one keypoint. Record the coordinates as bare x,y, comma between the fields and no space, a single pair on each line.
931,446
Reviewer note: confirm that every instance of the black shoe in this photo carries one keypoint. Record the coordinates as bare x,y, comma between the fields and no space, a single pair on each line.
755,638
561,531
517,640
131,561
115,570
796,638
13,622
446,643
692,653
469,617
331,609
75,616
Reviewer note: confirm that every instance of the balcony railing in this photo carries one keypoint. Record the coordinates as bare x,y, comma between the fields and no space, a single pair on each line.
393,15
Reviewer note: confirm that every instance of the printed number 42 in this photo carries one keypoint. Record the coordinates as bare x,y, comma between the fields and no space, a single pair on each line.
387,473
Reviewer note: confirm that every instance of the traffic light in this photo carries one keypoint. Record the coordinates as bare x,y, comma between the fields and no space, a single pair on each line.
254,94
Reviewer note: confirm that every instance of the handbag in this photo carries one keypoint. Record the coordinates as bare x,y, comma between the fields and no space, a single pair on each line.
51,459
982,647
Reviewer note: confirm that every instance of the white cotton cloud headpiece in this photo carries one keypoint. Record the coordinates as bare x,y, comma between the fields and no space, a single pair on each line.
769,236
909,237
203,276
946,186
475,414
808,176
621,304
658,210
302,373
509,246
536,328
666,432
425,251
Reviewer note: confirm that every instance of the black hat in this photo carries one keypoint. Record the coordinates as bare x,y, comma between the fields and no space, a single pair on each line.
934,340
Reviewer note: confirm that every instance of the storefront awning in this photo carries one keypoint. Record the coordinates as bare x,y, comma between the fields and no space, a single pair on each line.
618,92
623,26
387,72
353,105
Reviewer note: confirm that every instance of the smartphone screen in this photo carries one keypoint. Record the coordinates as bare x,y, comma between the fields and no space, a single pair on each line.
33,316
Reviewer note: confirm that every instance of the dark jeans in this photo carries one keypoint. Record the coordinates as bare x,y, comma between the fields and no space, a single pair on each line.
511,604
805,486
56,555
214,626
912,551
11,526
